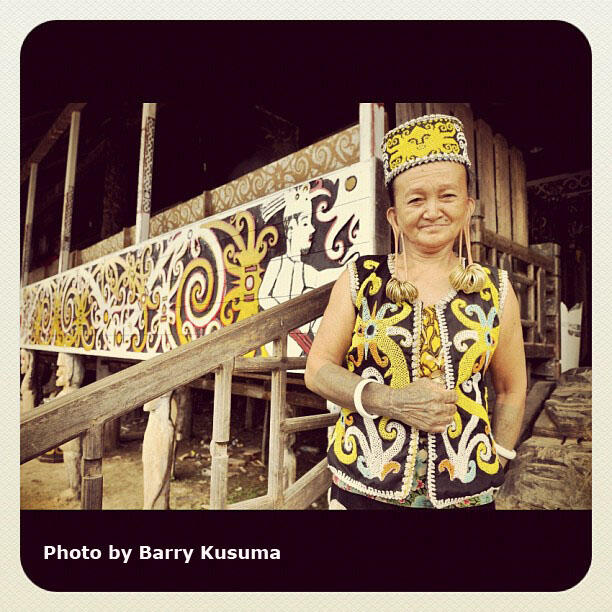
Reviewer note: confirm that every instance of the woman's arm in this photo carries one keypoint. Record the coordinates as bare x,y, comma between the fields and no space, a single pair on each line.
423,404
509,376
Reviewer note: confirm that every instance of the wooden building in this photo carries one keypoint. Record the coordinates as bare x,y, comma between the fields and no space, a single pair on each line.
138,271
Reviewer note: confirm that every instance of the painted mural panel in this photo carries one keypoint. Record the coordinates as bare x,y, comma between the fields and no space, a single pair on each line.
151,298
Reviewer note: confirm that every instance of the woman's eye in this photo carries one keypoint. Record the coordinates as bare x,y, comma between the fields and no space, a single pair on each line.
449,195
414,201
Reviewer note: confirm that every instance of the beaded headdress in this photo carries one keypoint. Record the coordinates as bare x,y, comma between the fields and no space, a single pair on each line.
421,140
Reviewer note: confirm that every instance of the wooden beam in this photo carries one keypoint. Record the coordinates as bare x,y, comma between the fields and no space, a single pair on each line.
539,350
517,277
308,400
308,488
73,144
26,256
64,418
264,502
306,423
265,364
528,255
145,171
60,125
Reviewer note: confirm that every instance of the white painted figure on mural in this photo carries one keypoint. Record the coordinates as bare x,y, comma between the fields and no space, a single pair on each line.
286,275
70,374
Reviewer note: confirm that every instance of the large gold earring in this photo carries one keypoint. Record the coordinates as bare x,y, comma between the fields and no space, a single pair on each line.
400,291
472,278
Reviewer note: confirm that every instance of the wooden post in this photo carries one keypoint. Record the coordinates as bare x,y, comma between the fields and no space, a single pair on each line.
502,187
371,130
289,458
541,301
549,309
248,414
26,256
73,144
493,257
264,437
182,398
91,497
531,301
463,112
112,428
440,108
180,415
27,389
485,168
145,171
221,435
70,373
404,111
157,448
277,438
518,186
476,227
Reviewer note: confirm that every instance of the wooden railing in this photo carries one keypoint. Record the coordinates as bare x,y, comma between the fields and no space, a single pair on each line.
84,411
535,275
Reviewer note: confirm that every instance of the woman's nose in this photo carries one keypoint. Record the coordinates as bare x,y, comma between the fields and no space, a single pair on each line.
432,208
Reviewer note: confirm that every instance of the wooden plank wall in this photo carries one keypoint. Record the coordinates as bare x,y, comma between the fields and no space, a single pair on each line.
499,167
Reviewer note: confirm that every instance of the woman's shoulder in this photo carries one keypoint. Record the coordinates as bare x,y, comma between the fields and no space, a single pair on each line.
362,267
497,275
370,262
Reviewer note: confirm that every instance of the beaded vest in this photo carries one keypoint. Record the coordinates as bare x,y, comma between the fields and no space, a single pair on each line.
376,457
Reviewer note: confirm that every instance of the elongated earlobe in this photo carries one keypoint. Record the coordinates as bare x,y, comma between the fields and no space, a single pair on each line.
396,290
472,278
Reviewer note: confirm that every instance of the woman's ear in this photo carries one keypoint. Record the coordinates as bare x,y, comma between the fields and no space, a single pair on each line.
471,205
392,216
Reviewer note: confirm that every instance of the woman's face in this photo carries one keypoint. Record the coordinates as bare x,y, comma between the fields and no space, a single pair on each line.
431,204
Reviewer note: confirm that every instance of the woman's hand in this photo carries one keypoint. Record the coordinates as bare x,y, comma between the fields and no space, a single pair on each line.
423,404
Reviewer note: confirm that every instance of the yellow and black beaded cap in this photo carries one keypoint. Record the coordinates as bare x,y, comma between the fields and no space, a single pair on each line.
422,140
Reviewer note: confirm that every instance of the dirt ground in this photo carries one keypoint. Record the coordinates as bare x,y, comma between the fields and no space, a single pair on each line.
44,485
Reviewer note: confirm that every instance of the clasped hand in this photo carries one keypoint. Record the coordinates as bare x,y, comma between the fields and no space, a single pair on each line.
424,404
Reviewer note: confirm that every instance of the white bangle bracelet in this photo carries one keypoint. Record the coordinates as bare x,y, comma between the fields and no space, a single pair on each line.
504,452
357,398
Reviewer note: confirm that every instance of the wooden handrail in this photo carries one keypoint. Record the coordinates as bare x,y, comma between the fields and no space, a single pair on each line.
64,418
491,239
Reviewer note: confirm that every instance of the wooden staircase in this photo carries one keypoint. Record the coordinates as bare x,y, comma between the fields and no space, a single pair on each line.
84,412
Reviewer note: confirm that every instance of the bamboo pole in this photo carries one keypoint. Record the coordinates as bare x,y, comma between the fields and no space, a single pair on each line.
73,145
145,171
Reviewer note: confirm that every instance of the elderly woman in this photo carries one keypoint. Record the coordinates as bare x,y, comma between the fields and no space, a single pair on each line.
408,341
